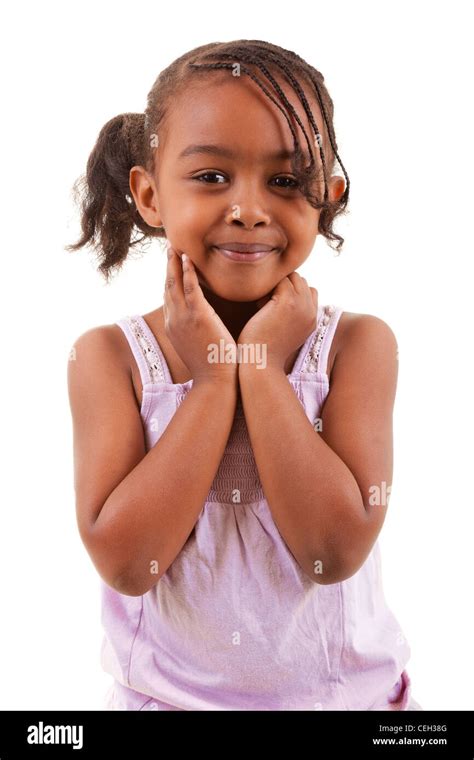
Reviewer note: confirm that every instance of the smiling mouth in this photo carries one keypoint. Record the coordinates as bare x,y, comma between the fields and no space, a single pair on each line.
244,256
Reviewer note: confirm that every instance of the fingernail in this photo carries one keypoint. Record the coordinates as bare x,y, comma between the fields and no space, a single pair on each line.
184,257
169,252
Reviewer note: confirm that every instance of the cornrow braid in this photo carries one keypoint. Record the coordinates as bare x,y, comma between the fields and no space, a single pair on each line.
345,196
278,89
304,175
298,156
300,92
110,221
215,66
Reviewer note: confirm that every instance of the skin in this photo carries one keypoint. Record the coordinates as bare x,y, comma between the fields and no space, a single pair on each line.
323,511
198,210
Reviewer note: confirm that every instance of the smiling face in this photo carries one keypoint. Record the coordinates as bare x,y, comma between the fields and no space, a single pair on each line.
241,190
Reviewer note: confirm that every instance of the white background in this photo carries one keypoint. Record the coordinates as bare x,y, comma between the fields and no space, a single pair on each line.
400,75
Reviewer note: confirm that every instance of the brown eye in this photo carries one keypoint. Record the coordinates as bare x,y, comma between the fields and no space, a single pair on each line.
287,179
209,174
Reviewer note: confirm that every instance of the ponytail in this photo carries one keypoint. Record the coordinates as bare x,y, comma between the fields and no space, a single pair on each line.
108,211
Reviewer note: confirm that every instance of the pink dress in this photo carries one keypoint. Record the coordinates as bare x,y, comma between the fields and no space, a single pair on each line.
234,623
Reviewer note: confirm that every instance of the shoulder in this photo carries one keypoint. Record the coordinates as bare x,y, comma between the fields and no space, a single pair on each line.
353,326
108,337
100,348
366,341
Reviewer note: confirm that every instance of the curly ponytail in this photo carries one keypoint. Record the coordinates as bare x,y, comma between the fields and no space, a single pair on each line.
108,211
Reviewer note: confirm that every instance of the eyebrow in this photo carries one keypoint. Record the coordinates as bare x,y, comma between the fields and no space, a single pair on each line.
221,150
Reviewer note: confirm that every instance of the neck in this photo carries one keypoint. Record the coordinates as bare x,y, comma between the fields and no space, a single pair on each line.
234,314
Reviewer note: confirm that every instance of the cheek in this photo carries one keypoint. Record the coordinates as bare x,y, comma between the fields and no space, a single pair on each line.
302,232
302,220
190,221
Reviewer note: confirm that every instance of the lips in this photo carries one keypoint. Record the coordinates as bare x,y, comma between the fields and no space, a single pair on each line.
246,256
245,247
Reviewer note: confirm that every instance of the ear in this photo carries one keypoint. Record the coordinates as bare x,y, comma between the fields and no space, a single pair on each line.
143,189
337,185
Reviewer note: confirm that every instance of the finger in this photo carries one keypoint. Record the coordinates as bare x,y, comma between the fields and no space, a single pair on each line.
191,287
174,279
297,281
165,314
314,295
284,286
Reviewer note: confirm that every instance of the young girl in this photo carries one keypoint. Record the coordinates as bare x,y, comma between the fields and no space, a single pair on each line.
233,447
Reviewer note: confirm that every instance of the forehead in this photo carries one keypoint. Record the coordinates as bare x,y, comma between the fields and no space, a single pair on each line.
233,110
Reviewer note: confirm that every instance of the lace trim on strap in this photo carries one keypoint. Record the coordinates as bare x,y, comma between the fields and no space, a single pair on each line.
148,350
311,362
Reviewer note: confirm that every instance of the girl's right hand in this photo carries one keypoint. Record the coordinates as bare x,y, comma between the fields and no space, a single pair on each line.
191,323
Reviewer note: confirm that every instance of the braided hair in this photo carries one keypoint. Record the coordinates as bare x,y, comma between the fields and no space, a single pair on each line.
110,221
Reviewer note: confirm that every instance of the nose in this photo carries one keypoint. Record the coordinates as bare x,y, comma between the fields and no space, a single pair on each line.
249,211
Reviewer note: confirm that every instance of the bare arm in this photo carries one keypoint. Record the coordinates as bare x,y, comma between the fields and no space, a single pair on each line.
136,509
327,511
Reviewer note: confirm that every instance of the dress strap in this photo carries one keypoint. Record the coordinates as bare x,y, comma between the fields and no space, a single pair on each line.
317,355
145,348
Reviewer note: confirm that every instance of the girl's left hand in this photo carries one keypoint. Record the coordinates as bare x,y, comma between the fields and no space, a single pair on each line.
285,321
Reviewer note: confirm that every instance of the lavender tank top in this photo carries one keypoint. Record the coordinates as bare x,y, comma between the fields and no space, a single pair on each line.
234,623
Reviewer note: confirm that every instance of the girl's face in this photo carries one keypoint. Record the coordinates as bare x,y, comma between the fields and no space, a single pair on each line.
236,189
